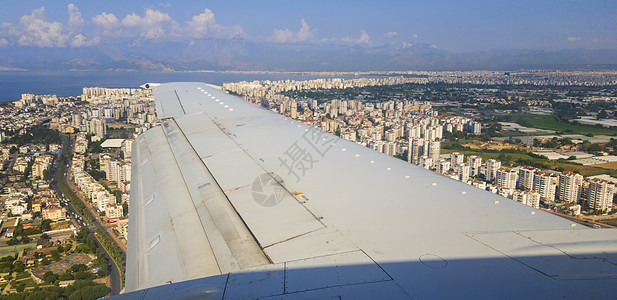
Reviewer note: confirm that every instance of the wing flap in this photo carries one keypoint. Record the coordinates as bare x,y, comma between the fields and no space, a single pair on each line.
183,226
272,213
165,234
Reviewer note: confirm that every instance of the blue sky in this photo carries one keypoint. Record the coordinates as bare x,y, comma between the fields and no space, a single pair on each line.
456,26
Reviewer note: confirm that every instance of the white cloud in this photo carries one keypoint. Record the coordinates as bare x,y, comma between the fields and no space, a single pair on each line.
157,25
109,23
106,20
282,35
3,68
200,25
594,40
415,35
75,19
391,34
151,17
150,26
574,39
204,25
305,32
287,36
80,40
34,31
364,38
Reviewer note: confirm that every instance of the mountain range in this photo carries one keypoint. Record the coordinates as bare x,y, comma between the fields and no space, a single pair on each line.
241,54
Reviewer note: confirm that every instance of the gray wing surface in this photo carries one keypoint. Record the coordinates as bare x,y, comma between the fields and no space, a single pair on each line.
229,200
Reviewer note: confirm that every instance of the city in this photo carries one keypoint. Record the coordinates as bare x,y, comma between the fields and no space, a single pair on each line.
93,134
66,182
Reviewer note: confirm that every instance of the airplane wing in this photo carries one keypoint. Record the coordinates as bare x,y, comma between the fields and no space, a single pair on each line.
229,200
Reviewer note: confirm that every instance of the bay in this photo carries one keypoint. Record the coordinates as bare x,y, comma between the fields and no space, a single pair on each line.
71,83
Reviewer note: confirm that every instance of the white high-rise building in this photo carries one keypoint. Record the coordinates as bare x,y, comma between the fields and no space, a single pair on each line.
434,148
545,184
456,159
570,187
475,162
600,195
127,148
389,148
425,162
443,166
492,166
525,178
464,171
416,150
506,178
98,128
531,198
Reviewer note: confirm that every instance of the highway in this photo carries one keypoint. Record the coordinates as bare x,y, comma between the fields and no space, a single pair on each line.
115,277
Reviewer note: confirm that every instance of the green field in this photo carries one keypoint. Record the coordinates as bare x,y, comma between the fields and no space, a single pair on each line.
551,123
13,249
551,164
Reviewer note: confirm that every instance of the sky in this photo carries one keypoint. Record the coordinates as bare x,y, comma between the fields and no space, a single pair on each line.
238,33
456,26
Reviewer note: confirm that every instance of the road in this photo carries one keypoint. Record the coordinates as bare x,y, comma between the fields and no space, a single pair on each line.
116,285
115,272
583,222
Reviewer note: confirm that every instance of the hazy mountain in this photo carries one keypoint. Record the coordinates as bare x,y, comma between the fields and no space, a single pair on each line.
240,54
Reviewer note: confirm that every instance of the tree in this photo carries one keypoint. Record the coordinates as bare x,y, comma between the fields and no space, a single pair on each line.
594,148
55,255
19,287
65,276
602,114
50,277
78,268
25,239
83,275
13,241
18,229
18,267
118,194
46,225
505,159
102,272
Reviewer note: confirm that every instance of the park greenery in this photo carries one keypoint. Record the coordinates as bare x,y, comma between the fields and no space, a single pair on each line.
37,134
113,250
83,286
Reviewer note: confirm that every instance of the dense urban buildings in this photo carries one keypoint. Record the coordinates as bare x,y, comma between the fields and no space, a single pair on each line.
397,123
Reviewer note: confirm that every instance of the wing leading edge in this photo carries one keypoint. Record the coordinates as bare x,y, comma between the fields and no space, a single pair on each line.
229,200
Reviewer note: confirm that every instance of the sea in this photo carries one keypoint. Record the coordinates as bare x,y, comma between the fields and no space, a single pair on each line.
70,83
